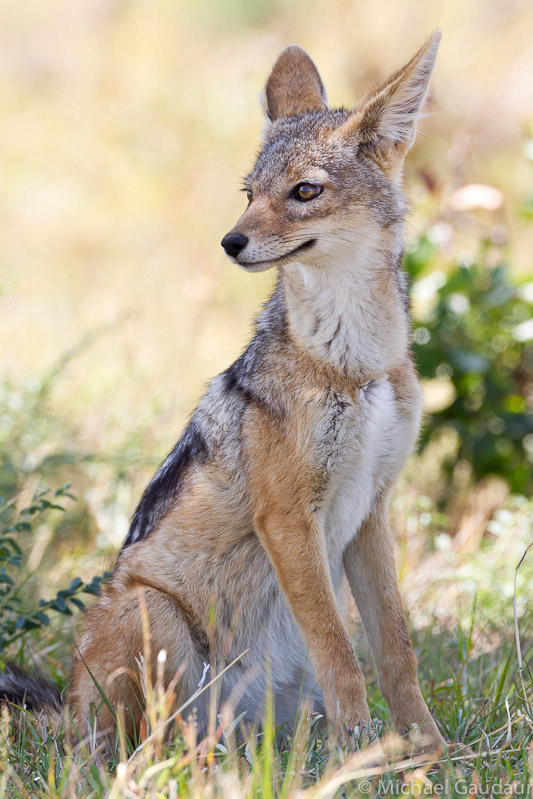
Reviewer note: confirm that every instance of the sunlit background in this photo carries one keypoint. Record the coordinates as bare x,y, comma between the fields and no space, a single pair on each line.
126,129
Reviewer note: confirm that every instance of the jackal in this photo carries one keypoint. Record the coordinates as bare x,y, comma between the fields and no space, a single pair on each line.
273,504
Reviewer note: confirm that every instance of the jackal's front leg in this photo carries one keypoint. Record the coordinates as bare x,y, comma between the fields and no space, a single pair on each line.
370,567
294,545
288,529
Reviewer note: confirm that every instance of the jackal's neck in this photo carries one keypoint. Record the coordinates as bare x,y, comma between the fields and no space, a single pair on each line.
351,315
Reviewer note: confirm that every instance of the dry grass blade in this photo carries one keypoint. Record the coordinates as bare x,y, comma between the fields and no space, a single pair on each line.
186,704
517,631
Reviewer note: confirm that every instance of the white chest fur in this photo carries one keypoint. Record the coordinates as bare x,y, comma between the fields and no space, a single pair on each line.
347,311
348,314
363,447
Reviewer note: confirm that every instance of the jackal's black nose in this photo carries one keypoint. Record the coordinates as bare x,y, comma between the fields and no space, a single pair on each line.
233,243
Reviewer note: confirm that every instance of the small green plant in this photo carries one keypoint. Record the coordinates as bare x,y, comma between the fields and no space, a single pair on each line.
16,617
478,335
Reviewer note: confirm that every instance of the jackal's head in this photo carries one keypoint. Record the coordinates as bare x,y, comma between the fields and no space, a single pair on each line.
327,180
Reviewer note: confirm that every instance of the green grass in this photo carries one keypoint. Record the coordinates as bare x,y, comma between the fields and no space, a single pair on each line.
476,696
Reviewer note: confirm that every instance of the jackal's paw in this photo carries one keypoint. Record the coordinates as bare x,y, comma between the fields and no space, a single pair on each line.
426,740
359,720
357,728
361,734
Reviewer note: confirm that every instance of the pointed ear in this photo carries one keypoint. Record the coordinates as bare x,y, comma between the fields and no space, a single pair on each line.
386,118
294,85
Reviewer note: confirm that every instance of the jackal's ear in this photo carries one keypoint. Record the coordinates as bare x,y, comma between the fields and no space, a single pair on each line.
385,120
294,85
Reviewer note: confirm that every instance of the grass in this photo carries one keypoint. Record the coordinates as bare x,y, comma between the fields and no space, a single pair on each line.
476,703
469,673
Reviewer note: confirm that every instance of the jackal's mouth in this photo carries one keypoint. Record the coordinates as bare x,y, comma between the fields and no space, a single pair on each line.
280,258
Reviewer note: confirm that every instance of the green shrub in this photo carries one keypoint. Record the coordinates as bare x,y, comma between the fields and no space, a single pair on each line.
478,334
17,616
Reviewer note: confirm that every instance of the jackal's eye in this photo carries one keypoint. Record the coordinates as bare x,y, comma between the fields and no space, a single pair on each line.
307,191
249,194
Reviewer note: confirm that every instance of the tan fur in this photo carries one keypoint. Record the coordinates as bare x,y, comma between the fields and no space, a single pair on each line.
384,116
294,70
276,497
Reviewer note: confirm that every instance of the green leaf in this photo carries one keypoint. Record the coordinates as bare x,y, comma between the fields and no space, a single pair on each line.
23,527
76,583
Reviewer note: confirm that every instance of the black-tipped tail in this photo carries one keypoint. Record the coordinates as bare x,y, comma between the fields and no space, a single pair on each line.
28,691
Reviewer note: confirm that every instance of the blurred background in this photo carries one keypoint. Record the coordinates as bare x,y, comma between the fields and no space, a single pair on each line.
126,130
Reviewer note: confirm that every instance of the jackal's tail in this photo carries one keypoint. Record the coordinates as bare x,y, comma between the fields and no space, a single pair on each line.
29,691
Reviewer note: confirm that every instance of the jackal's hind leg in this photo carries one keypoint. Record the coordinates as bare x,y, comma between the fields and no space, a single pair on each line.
370,567
117,655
